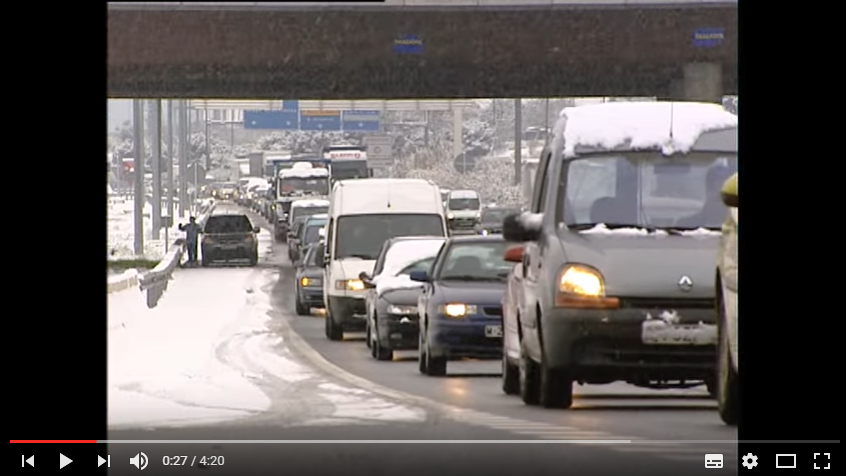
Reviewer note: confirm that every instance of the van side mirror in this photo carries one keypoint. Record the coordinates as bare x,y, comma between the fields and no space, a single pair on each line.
522,227
419,276
257,229
514,254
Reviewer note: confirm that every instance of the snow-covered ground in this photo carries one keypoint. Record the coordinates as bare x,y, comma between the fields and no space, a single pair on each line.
206,354
121,237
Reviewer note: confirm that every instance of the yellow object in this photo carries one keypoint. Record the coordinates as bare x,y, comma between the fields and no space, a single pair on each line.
457,310
581,280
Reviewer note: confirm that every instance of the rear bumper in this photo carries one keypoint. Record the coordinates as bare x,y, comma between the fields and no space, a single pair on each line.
224,252
623,345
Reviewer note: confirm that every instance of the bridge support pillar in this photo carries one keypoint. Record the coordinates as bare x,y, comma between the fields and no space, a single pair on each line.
700,82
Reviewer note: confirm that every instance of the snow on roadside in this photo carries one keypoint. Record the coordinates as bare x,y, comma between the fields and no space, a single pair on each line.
121,232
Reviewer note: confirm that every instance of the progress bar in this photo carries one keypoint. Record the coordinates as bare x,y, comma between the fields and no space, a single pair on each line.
471,442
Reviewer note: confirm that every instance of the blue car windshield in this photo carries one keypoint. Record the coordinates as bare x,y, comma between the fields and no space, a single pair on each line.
475,261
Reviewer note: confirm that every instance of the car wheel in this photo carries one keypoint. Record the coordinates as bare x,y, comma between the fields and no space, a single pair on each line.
204,262
529,378
421,355
728,382
333,332
367,337
254,259
435,366
556,387
302,310
381,352
510,376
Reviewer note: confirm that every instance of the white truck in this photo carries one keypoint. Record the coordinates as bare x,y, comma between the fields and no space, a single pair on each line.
363,214
299,181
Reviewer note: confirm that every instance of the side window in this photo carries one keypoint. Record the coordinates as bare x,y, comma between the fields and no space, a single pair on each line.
541,185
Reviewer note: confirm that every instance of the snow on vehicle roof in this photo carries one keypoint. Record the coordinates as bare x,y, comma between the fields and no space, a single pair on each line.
401,255
302,166
309,203
672,127
463,194
319,216
303,173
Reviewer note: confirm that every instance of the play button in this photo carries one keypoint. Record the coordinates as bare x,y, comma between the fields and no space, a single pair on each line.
64,461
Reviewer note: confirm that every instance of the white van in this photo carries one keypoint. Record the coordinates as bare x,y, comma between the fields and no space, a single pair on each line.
363,214
464,210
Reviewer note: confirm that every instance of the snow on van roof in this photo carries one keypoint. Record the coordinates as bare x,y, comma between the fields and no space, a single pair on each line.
303,173
463,194
672,127
401,255
309,203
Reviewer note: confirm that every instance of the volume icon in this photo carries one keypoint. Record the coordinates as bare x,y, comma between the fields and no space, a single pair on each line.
139,461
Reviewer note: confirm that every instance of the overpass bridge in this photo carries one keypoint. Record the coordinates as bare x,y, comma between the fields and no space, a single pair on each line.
423,49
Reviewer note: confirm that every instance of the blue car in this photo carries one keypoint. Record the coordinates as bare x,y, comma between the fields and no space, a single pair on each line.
460,306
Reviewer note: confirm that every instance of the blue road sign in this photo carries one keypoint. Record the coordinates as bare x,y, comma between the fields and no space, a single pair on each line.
291,106
361,121
276,120
320,120
408,45
708,37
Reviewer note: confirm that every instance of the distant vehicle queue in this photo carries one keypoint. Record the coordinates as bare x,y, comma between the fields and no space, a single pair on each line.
624,267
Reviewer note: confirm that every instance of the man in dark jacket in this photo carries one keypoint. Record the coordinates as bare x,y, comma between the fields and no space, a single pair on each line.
192,234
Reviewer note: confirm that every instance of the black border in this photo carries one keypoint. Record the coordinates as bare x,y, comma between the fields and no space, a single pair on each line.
790,337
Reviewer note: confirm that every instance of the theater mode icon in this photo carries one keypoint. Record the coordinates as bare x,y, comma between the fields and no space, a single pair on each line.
714,460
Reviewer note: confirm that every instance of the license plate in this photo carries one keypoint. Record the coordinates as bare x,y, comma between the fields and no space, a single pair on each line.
493,331
659,332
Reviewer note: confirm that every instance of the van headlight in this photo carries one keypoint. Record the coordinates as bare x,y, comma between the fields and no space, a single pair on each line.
349,285
450,216
581,281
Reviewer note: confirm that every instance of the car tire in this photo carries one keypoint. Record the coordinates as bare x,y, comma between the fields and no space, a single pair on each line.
556,388
728,382
302,310
379,351
421,355
510,376
254,259
435,366
333,332
205,262
367,337
529,378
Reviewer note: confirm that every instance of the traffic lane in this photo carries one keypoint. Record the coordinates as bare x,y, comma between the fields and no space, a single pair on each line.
653,414
450,456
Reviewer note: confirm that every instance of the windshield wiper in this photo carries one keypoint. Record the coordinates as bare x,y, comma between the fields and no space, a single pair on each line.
467,277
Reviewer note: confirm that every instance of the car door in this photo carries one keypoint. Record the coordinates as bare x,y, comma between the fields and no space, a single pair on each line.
532,262
424,299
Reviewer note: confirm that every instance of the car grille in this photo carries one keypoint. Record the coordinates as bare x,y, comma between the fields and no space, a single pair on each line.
493,310
664,303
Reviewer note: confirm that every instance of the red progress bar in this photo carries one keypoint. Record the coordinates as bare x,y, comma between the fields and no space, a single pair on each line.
53,441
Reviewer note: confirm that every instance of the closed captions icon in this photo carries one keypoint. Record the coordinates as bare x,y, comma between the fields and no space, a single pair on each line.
714,461
139,461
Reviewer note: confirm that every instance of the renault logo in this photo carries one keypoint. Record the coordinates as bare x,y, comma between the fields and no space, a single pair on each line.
685,283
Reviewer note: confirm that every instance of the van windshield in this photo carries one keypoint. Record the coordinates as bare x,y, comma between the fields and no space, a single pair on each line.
362,236
645,190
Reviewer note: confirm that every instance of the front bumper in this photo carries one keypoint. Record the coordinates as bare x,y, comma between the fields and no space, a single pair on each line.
399,332
311,296
622,344
466,337
348,312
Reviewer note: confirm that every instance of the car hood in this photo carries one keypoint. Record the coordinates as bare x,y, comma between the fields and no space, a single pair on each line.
402,296
471,292
647,265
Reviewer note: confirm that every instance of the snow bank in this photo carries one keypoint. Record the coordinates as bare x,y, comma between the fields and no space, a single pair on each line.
303,173
672,127
304,203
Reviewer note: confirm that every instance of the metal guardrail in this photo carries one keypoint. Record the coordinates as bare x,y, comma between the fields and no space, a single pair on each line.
155,281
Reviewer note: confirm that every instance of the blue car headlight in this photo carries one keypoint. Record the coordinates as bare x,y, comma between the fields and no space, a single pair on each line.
457,310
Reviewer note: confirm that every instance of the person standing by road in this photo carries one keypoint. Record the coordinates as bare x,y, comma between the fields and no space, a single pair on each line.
192,234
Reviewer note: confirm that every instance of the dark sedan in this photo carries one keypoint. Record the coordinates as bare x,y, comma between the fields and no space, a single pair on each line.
461,303
492,218
392,296
309,282
229,237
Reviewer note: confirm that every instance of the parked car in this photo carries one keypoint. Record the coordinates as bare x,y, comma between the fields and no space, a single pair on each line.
309,286
391,302
728,380
460,305
619,251
229,237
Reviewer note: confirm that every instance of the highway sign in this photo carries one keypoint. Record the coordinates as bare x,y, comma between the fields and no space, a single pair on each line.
408,45
708,37
277,120
464,163
362,121
380,151
320,120
291,106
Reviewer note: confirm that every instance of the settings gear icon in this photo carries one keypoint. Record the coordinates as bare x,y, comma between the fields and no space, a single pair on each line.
750,461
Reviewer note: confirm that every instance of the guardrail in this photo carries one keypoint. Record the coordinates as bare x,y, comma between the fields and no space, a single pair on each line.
155,281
